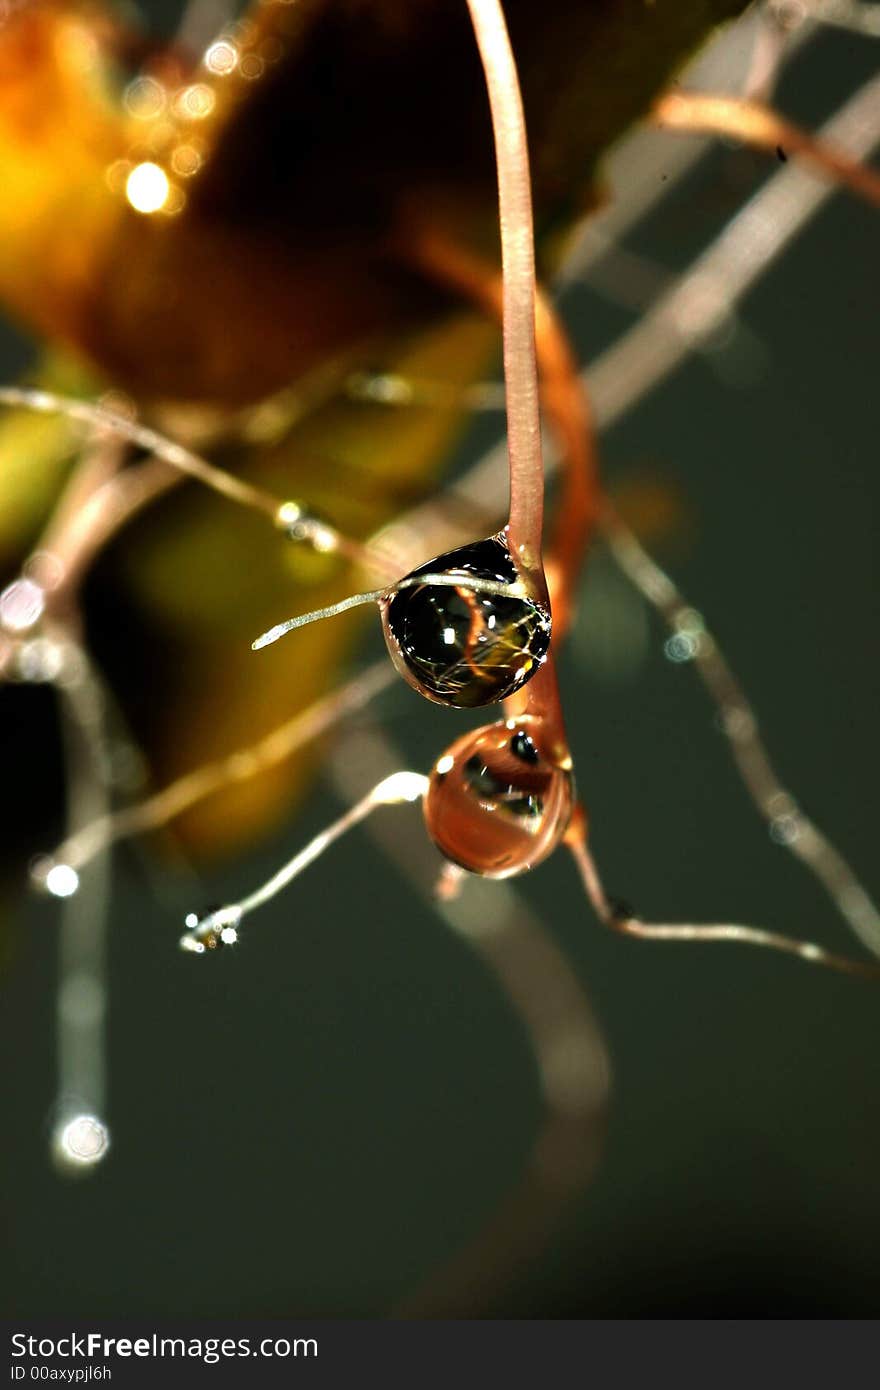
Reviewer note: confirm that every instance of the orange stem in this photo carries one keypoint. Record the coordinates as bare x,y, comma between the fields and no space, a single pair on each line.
518,291
563,396
756,124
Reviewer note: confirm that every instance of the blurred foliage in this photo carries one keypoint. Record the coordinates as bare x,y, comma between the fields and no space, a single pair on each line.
278,263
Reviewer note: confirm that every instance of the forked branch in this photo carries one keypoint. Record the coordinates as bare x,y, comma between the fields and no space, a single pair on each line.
761,126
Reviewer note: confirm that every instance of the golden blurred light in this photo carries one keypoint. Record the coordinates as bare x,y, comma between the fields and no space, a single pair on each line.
144,98
76,44
116,175
118,403
252,66
186,160
324,540
222,57
195,102
147,187
175,201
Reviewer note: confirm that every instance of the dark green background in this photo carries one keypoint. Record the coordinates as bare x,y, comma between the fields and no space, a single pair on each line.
309,1125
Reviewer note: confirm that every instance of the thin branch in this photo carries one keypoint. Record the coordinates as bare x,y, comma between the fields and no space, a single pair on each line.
220,926
788,824
563,397
761,126
172,801
696,304
286,515
699,302
184,460
856,16
518,269
622,920
727,64
642,358
81,1135
75,540
526,963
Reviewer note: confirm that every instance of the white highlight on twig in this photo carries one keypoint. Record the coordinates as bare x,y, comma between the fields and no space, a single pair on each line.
81,1138
22,604
62,881
80,1141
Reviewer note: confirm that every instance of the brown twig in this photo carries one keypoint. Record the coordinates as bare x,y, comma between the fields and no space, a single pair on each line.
563,396
756,124
518,264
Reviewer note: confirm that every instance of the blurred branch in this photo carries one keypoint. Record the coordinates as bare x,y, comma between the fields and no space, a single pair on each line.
80,1134
699,302
179,796
788,824
759,125
693,307
858,16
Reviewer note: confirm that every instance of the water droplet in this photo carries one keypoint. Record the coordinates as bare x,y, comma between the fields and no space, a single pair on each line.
684,646
80,1142
784,830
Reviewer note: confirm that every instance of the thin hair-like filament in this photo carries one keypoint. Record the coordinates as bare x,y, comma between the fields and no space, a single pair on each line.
395,790
286,515
444,580
627,924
